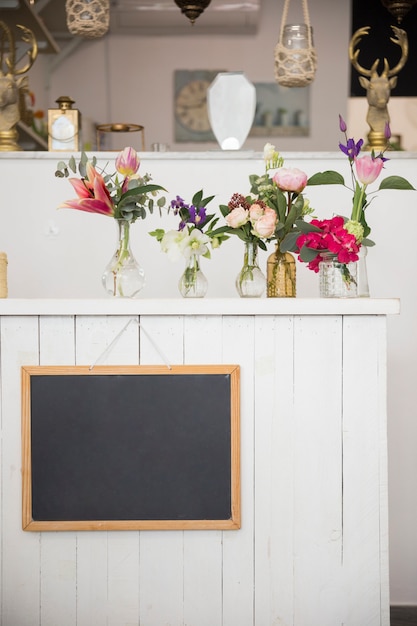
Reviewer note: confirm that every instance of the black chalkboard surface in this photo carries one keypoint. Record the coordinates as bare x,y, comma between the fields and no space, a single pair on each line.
134,447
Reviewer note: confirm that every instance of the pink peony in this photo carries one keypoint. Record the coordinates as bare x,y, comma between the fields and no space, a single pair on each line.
237,217
265,225
290,179
368,169
255,212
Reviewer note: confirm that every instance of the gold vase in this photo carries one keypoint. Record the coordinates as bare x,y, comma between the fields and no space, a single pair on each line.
280,274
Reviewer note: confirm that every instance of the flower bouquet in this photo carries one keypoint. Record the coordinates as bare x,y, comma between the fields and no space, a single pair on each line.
268,214
340,239
123,195
193,239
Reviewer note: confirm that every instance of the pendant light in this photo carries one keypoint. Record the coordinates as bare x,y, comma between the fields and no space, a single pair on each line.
192,8
398,8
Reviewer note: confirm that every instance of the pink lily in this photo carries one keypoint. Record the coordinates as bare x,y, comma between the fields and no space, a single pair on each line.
92,193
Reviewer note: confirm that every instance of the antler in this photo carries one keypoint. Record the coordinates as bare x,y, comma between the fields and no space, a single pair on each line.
9,47
400,38
353,54
27,37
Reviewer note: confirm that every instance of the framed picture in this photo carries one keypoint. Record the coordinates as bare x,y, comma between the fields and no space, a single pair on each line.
281,111
190,105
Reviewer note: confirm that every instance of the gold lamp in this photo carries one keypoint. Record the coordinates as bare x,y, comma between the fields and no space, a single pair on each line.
398,8
192,8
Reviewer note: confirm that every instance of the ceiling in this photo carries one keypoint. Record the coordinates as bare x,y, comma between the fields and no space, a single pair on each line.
47,18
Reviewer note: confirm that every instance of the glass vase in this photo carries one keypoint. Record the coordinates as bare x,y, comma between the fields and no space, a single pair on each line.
337,280
251,281
123,276
362,273
280,275
193,283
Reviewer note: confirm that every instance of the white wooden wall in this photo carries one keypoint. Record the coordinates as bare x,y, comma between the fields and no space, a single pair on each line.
312,550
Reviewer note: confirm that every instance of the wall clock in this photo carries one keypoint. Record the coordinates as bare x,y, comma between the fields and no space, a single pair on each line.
190,105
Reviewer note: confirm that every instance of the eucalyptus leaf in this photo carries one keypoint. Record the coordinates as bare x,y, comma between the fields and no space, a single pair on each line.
288,244
306,227
308,254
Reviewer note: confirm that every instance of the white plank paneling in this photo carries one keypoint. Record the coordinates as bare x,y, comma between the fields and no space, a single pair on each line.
20,551
317,471
364,523
274,471
313,544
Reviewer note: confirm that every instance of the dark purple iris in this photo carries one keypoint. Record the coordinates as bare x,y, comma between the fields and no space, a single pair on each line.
197,215
351,149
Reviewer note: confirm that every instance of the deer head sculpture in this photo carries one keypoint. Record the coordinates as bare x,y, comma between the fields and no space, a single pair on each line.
12,84
378,86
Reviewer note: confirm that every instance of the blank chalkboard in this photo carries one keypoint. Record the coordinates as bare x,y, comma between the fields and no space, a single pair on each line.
134,447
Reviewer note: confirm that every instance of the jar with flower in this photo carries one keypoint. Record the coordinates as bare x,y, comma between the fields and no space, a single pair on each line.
283,192
126,197
254,223
364,170
330,247
192,240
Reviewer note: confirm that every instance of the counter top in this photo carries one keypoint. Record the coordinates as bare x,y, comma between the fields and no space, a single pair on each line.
203,306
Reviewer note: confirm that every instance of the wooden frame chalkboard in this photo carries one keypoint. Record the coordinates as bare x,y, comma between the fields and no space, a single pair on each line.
130,447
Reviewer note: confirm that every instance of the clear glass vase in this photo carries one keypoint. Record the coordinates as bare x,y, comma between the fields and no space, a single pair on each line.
251,281
193,283
337,280
123,276
280,275
362,273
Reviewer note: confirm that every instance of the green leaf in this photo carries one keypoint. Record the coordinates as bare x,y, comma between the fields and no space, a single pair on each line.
368,242
158,233
306,227
262,244
396,182
308,254
224,209
288,243
282,207
197,197
328,177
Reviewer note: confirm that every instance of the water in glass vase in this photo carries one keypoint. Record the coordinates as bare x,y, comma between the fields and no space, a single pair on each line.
123,276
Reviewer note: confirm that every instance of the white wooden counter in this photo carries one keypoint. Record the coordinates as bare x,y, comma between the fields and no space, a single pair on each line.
313,547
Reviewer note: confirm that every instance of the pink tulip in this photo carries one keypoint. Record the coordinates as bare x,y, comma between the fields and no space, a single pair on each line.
127,162
368,169
290,179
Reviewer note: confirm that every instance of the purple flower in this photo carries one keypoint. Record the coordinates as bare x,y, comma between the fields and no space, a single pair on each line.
342,124
178,204
351,149
387,131
197,215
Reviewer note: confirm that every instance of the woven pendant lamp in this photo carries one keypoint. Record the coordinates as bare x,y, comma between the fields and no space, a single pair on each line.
88,18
